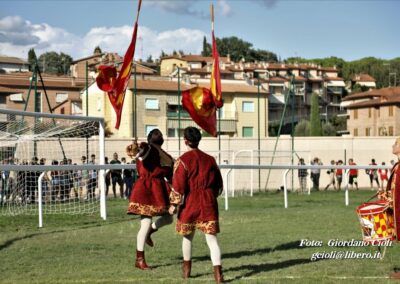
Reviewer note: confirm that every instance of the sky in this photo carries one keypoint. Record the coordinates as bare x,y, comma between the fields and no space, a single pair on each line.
349,29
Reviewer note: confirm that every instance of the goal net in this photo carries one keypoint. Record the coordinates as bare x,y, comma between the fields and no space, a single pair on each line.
60,150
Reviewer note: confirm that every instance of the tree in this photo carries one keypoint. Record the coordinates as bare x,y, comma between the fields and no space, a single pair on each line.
97,50
206,48
150,59
328,129
315,121
54,63
163,54
31,58
302,128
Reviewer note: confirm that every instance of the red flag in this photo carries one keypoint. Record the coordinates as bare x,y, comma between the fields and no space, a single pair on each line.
108,81
199,103
215,84
202,103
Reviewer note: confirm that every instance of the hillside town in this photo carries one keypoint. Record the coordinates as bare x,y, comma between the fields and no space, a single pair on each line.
244,84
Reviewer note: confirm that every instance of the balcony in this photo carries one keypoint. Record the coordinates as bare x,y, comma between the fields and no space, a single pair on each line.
227,125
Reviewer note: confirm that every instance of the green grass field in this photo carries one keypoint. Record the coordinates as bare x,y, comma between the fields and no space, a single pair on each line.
260,243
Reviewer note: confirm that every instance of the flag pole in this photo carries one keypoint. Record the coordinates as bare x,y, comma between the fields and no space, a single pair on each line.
134,101
179,112
219,110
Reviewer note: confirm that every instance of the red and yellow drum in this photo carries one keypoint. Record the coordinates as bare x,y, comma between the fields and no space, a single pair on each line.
376,221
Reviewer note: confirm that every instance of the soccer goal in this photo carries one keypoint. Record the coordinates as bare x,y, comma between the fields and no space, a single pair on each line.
48,164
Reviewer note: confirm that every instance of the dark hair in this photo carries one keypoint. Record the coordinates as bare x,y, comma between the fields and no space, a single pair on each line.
155,137
193,136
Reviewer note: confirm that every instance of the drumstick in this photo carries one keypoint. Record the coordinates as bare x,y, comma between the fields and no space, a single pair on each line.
375,195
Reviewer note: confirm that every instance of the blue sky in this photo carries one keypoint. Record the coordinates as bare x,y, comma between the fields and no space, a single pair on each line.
306,28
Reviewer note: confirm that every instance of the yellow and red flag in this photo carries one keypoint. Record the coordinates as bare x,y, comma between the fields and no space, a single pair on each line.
202,103
199,103
114,86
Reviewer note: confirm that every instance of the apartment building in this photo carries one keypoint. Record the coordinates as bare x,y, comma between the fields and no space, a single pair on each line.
63,93
158,106
10,64
374,113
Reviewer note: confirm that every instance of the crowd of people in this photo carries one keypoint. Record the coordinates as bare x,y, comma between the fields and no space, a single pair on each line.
377,176
62,185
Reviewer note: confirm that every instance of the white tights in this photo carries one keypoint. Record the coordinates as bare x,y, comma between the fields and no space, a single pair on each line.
212,243
145,223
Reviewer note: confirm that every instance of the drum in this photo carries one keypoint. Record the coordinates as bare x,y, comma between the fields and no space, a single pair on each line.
376,222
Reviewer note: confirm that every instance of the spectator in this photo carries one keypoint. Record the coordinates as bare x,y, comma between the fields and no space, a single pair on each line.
116,177
339,175
55,181
316,173
373,175
92,182
331,173
128,181
107,176
302,174
353,174
383,176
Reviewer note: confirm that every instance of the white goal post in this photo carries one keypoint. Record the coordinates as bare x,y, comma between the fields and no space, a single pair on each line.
64,151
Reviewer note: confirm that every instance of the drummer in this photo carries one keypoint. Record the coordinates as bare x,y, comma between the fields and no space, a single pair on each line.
392,193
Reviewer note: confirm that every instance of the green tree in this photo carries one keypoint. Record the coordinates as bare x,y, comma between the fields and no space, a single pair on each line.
97,50
206,48
54,63
315,120
302,128
163,54
150,59
328,129
31,58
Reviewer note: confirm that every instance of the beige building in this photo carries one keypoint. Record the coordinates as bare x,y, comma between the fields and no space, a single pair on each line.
364,80
158,105
63,93
374,113
10,64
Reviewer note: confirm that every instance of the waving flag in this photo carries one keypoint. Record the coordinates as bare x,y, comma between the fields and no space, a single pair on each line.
201,103
114,86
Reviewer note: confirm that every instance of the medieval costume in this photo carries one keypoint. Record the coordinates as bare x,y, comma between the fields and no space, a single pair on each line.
392,196
150,194
197,183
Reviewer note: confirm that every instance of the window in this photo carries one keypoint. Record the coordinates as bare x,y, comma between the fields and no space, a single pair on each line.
247,131
172,132
369,112
152,104
390,130
390,110
16,97
60,97
368,131
355,132
248,107
149,128
355,113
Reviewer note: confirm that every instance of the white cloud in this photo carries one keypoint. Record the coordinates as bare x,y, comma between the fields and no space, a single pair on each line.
226,9
43,37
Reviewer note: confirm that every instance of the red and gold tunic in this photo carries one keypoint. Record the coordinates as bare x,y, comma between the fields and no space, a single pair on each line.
197,183
393,197
150,194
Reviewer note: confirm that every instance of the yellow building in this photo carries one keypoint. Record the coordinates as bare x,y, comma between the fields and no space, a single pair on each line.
158,104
